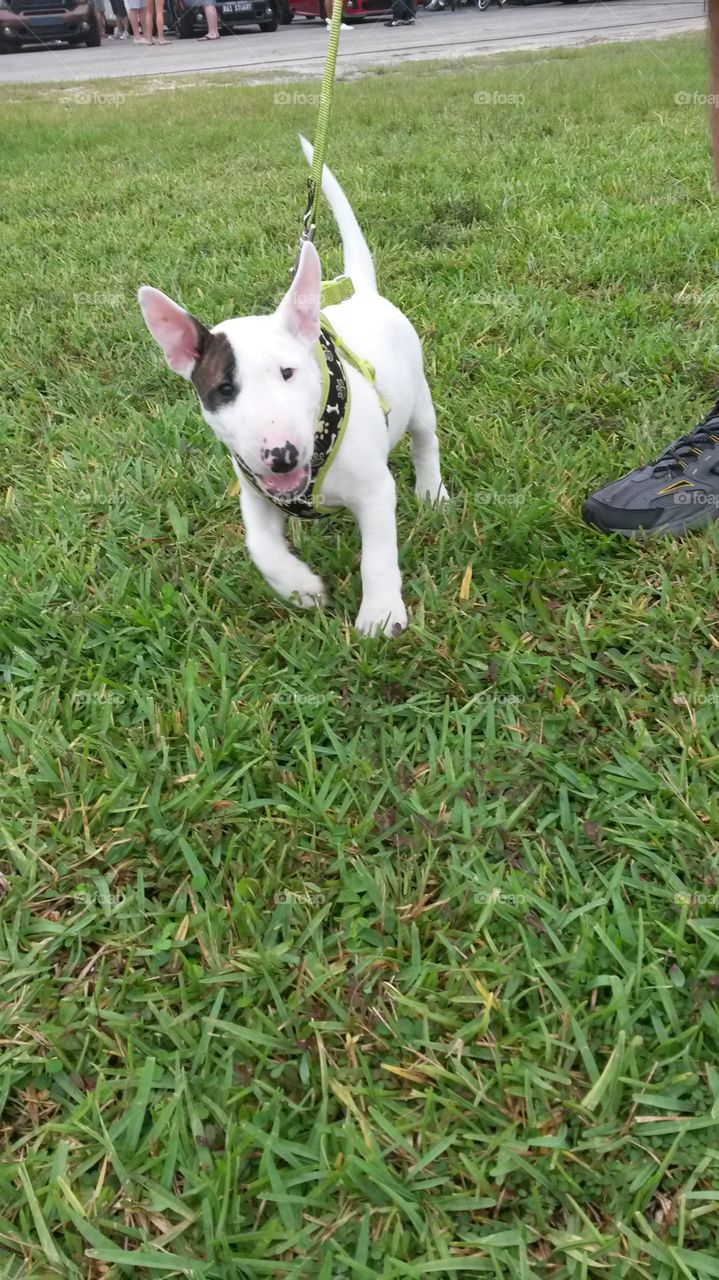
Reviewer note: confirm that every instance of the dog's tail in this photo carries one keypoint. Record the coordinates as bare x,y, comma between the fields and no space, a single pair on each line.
358,259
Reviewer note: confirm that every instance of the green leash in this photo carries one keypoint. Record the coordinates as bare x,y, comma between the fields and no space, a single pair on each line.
314,184
340,289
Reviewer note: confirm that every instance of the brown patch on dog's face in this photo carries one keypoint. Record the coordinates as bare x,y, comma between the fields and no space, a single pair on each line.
215,374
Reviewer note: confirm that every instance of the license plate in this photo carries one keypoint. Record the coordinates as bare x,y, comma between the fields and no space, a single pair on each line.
49,20
237,6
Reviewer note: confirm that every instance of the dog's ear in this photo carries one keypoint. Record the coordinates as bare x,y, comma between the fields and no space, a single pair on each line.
299,310
180,335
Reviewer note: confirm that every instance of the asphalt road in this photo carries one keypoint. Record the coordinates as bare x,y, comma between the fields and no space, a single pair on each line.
297,51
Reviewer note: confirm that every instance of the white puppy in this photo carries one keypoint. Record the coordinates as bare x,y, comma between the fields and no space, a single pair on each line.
308,431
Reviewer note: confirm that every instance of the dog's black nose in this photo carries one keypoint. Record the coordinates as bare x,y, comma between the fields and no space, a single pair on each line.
283,458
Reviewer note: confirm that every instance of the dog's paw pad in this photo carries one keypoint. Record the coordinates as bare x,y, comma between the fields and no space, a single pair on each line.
389,620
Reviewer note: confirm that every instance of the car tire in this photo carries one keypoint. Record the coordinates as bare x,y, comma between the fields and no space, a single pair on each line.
283,13
185,26
94,40
268,26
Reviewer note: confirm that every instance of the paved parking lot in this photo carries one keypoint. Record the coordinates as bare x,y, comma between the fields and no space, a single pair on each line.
298,50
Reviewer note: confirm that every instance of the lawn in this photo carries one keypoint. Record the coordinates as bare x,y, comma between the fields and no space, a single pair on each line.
322,957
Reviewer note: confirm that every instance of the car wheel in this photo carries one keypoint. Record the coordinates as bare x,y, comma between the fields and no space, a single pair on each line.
185,26
269,26
94,39
283,12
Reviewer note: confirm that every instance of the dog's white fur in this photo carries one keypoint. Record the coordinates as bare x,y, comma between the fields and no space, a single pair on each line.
270,411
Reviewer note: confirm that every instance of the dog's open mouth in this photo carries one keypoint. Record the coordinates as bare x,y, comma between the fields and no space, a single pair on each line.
285,484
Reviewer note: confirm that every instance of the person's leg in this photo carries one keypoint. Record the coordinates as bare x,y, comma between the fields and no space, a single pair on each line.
160,22
148,21
133,16
211,17
679,490
329,10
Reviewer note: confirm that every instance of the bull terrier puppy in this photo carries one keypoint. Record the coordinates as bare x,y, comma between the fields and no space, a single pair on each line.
291,395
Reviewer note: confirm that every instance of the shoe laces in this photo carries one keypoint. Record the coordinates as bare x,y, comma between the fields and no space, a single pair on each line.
690,445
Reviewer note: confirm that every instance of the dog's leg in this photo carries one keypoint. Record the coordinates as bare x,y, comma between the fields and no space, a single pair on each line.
382,608
425,448
264,530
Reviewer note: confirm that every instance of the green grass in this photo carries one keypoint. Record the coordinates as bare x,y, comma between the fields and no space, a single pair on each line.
328,958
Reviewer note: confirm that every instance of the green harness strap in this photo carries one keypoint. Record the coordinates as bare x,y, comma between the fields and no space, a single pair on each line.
334,291
339,290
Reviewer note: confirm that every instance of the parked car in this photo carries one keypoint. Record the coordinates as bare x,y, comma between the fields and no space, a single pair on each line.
187,17
353,10
43,21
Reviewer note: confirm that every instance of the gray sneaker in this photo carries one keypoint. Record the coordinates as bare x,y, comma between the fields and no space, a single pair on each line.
677,492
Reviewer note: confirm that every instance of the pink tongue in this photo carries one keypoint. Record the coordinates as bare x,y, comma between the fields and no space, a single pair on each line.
284,482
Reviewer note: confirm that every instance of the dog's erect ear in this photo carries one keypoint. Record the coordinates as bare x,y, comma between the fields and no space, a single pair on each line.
180,335
299,310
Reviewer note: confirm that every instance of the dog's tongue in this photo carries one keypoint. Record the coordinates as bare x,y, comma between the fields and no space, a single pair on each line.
284,482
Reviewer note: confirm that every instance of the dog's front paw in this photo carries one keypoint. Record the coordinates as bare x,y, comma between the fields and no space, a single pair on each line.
433,495
390,618
304,589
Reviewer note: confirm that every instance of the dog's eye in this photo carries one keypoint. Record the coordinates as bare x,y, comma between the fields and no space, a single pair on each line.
286,374
226,390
